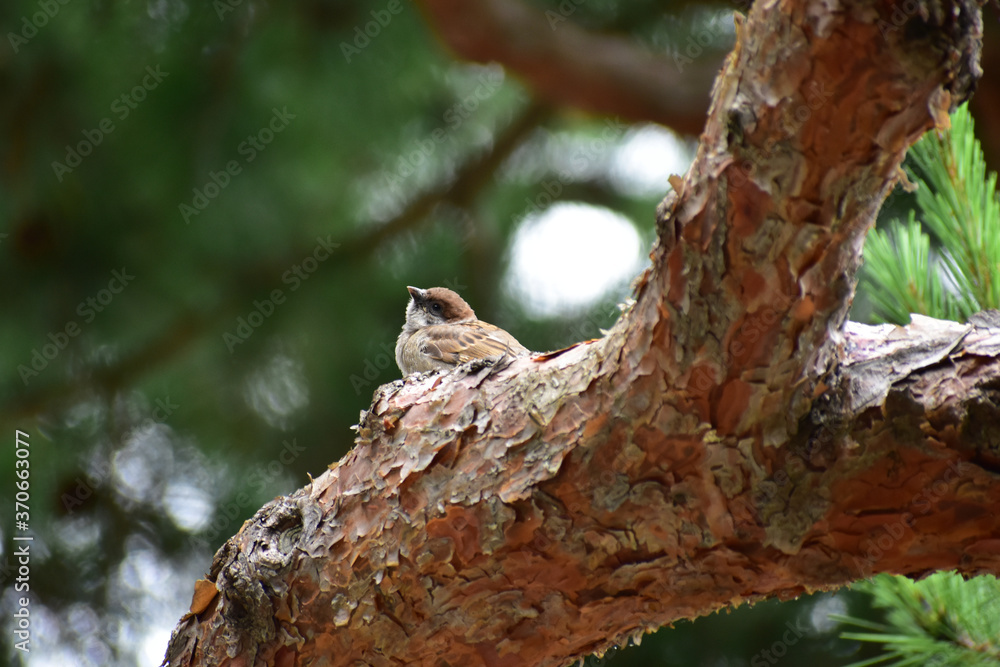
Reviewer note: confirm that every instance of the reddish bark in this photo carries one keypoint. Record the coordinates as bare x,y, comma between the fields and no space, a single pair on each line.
727,441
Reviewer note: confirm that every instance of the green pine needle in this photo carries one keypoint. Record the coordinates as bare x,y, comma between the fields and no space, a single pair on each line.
943,261
957,203
943,620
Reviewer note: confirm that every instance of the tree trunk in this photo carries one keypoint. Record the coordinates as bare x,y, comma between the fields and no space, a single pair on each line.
729,440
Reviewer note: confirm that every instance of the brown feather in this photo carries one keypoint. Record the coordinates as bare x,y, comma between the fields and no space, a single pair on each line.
475,340
454,308
441,331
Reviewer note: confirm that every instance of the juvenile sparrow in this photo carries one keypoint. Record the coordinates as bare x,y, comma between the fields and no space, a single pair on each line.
441,332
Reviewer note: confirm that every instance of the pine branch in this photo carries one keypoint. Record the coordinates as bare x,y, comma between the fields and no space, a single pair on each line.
957,202
942,620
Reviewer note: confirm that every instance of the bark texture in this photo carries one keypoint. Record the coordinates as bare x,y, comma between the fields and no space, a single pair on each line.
729,440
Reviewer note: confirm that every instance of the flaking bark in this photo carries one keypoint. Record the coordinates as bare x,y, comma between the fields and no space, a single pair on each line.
729,440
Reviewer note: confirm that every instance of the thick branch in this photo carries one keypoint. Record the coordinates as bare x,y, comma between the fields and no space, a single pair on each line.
708,451
523,549
566,65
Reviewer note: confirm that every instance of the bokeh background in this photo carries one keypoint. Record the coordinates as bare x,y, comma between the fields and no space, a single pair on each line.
209,213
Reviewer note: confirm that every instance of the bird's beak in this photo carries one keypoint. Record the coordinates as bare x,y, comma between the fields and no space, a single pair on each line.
416,293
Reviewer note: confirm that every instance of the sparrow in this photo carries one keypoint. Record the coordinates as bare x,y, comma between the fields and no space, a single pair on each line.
441,332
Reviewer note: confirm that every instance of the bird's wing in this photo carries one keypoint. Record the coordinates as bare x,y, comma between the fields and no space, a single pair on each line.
475,340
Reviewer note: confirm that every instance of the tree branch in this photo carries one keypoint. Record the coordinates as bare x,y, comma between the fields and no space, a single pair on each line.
568,66
727,440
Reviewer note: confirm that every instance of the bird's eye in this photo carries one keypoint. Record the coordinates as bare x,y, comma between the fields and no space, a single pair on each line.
436,307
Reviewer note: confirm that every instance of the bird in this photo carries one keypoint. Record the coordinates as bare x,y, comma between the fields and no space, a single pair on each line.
441,331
